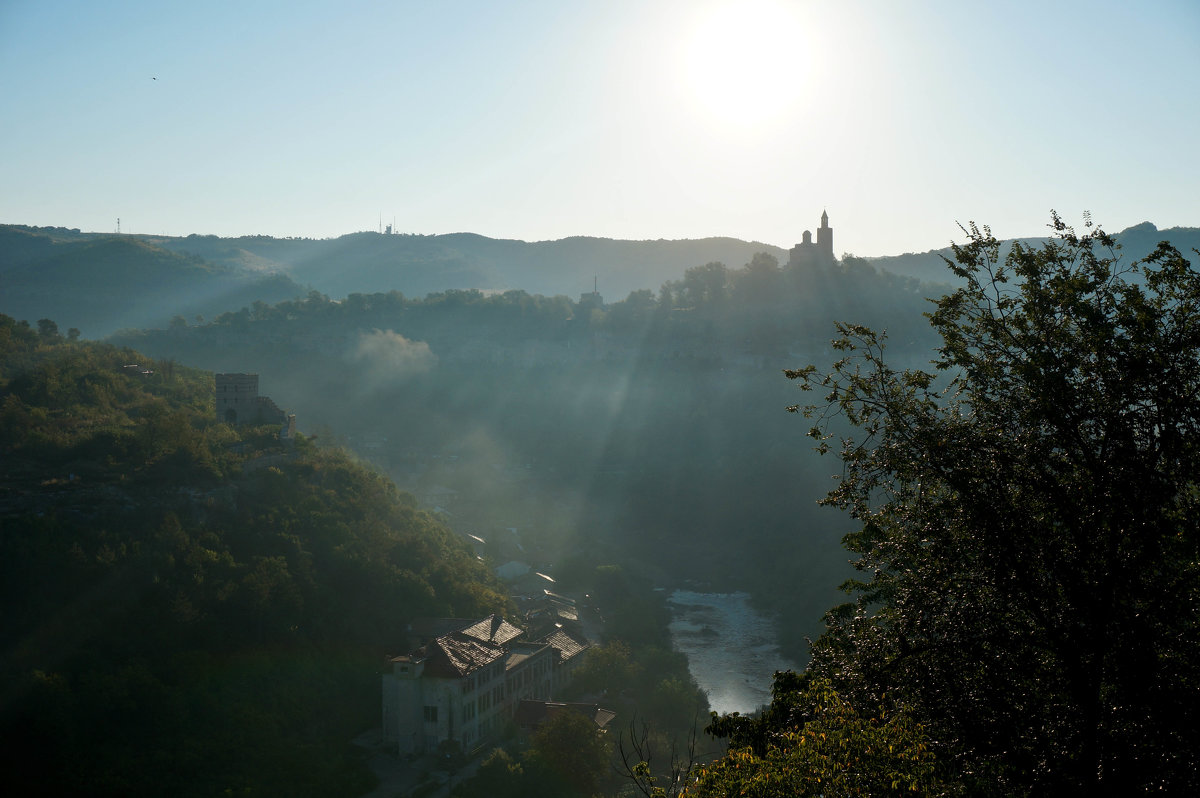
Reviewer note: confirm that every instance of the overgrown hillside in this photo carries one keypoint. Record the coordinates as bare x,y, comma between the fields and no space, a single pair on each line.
192,608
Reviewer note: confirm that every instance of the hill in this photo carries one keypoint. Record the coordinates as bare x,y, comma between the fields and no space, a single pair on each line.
101,283
1136,242
420,265
190,608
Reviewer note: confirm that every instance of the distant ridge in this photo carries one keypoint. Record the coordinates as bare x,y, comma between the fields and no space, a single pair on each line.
1136,242
100,282
418,265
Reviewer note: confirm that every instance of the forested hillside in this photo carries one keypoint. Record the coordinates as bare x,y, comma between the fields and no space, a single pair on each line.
652,426
192,609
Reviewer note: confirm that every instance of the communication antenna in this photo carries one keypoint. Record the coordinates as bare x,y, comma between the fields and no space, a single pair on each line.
118,225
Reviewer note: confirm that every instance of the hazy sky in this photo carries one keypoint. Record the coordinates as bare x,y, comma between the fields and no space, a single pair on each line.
647,119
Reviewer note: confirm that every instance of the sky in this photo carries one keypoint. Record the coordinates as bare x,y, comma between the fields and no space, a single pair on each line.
647,119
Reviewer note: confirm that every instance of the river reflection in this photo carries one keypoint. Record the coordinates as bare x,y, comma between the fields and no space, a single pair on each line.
731,648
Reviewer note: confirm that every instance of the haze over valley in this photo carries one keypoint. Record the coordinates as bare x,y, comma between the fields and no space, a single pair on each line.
670,398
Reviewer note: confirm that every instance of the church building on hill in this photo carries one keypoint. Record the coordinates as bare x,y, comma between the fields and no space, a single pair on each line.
808,253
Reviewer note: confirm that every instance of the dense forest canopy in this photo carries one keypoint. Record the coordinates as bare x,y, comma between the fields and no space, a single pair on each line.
192,607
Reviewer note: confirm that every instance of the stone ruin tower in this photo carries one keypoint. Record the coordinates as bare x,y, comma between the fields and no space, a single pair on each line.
238,402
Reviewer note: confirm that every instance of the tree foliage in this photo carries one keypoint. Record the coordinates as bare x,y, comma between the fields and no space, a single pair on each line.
1028,512
814,743
570,754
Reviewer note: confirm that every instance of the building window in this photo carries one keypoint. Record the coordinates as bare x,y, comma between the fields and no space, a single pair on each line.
431,714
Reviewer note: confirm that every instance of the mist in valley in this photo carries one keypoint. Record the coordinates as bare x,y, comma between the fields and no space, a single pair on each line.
539,285
649,430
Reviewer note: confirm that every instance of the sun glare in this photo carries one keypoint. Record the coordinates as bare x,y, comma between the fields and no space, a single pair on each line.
745,63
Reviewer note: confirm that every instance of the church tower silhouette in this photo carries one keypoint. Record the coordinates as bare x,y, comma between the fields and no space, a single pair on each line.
810,253
825,237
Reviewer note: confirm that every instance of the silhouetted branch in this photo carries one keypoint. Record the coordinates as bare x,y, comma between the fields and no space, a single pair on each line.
638,755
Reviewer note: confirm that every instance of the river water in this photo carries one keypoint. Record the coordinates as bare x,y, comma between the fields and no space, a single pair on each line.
731,648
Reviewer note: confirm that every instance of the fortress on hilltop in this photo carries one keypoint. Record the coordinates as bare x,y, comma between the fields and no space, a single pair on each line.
808,253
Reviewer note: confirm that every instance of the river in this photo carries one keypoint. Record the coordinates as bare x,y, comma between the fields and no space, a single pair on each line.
731,648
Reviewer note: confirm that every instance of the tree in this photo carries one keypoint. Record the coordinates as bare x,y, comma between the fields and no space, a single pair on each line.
48,329
569,753
829,750
499,776
1028,519
607,668
762,281
707,285
639,751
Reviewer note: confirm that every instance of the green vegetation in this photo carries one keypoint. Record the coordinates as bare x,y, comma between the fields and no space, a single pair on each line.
812,742
565,758
1028,536
636,670
195,608
192,608
634,673
648,429
100,283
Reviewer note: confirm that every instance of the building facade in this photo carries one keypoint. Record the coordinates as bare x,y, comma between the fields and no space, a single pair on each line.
463,686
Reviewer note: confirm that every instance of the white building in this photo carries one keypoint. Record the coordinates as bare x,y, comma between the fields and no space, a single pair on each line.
463,685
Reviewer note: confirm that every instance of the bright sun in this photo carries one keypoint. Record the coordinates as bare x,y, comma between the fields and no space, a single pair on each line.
745,63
